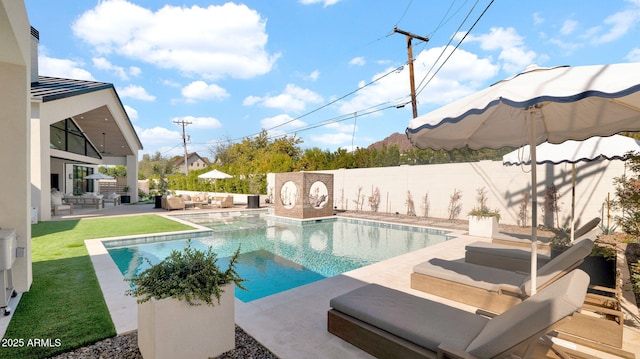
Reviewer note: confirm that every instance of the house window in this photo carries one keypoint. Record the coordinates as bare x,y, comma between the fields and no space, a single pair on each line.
80,184
67,136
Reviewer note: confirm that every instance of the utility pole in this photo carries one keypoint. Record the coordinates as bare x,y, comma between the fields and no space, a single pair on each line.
184,123
411,36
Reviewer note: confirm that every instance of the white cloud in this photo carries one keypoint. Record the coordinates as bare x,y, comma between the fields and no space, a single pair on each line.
135,71
65,68
214,42
284,121
537,18
293,98
512,47
158,136
341,127
463,73
324,2
616,25
200,90
332,138
200,122
633,55
568,27
170,83
313,76
131,112
358,61
136,92
103,64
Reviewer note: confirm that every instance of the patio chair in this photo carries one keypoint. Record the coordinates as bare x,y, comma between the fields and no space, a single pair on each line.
525,241
58,204
170,203
391,324
497,290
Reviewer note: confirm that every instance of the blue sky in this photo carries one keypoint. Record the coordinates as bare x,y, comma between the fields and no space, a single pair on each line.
332,72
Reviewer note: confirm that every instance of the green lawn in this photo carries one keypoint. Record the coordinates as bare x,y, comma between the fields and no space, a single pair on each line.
64,307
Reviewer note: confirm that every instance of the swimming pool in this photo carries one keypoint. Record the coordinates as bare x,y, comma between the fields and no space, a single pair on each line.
278,254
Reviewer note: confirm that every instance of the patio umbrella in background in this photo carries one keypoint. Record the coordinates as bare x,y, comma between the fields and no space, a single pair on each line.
215,175
591,149
98,176
541,104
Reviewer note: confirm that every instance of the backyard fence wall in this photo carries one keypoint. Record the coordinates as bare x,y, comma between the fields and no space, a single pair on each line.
427,190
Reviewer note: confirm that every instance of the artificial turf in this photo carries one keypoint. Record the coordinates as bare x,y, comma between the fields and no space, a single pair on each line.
64,309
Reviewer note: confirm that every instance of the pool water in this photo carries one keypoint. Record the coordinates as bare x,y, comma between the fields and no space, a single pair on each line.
278,254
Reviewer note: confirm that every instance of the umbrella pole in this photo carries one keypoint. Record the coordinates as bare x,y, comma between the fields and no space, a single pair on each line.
534,205
573,201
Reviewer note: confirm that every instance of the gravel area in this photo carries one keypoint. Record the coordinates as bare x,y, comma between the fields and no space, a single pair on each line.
126,346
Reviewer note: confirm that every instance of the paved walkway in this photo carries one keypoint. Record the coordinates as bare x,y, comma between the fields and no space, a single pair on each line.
292,324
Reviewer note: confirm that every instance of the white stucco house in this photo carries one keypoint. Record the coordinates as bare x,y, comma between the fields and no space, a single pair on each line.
76,125
55,132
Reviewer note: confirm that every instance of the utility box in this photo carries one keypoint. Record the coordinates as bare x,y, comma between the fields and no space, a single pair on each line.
8,247
8,244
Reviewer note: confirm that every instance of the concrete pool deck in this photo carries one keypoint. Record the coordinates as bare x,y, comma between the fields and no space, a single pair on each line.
292,324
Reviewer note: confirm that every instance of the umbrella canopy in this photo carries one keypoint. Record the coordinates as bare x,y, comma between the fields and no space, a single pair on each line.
595,148
552,104
215,174
591,149
98,176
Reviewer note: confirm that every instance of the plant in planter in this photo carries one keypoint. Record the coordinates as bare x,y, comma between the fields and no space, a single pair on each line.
483,222
172,322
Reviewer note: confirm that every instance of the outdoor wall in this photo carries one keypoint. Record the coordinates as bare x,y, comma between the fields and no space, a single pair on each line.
505,186
15,184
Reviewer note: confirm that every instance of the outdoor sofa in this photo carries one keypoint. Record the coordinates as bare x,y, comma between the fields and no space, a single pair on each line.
391,324
497,290
86,199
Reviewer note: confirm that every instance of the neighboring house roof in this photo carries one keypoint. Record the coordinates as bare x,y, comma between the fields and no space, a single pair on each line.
180,161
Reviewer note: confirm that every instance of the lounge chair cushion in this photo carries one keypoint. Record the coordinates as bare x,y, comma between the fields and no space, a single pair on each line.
502,256
475,275
576,253
524,320
423,322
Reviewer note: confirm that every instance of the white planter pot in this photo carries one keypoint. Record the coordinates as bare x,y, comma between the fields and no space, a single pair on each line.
483,226
170,328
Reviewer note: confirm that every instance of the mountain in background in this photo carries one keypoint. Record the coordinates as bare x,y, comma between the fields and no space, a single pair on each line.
399,139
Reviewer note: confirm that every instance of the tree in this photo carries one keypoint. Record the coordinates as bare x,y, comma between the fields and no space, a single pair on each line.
156,168
627,200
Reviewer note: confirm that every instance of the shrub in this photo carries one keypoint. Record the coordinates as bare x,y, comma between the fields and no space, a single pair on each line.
191,275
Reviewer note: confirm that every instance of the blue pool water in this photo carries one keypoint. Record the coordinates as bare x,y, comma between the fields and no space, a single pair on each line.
278,254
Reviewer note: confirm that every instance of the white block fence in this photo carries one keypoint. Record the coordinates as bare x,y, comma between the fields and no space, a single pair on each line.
506,188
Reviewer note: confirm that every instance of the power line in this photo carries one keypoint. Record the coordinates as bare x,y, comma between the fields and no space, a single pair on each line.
323,106
456,47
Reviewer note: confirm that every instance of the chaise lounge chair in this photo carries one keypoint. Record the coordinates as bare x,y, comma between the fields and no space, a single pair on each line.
525,241
392,324
497,290
515,258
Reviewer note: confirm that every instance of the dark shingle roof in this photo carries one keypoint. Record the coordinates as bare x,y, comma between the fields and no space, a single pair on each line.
55,88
